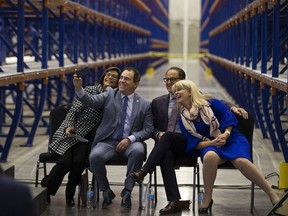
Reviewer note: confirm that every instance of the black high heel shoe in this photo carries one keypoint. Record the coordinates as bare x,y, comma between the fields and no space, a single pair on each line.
206,210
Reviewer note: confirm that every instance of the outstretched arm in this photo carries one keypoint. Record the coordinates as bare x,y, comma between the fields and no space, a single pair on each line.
238,111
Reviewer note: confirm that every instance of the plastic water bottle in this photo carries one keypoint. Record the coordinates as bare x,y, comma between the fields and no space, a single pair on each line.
90,199
150,199
200,197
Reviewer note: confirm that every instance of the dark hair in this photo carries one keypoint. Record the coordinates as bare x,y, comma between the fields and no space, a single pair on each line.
137,75
101,80
181,72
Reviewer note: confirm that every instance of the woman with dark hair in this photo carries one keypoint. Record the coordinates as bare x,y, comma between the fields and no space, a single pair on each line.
72,154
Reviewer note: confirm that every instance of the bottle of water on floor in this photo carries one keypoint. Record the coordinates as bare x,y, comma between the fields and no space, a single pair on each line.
90,199
150,199
200,198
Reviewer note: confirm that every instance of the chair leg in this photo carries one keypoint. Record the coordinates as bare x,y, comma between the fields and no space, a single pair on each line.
155,184
252,197
96,189
196,182
45,169
79,191
198,178
37,173
194,188
140,196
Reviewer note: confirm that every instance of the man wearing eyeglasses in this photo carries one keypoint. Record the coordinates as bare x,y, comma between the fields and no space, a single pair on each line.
169,140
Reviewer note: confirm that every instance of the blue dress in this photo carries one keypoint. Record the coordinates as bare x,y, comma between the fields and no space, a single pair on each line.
236,145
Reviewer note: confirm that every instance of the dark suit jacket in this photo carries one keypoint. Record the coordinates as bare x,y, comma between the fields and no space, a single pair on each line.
15,198
160,113
110,102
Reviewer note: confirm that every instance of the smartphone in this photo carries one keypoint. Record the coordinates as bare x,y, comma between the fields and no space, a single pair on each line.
83,72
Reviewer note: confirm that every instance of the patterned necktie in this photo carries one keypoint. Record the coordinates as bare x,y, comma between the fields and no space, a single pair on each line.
123,117
173,118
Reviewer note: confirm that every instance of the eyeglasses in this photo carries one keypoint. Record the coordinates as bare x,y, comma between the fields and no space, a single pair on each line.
113,76
171,79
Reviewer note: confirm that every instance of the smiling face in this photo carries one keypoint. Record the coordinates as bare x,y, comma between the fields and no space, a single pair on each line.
111,79
183,97
126,82
171,77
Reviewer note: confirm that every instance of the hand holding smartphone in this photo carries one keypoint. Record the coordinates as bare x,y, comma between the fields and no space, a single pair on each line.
83,72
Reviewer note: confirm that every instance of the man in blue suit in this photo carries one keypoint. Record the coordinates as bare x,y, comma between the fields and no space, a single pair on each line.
122,131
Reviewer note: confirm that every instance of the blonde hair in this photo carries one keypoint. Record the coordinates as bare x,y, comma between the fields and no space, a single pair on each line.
197,97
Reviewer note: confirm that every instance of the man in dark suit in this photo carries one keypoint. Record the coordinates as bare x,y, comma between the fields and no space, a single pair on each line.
15,198
169,140
127,122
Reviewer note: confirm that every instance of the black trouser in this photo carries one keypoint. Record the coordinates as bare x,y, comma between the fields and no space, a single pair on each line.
72,161
169,146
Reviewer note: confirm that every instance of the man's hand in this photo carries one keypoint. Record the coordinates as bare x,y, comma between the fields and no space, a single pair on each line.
240,111
122,145
160,134
77,81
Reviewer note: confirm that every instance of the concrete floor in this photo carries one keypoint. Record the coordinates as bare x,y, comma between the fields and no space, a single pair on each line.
231,194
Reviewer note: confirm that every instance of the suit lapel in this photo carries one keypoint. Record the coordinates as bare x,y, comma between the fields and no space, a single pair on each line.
118,105
135,108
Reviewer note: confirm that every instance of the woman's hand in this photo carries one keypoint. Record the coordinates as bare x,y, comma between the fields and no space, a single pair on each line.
69,131
220,140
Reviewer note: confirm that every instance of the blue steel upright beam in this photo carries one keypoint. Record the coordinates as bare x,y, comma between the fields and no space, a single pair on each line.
61,36
275,73
75,37
255,84
15,121
20,35
265,90
44,34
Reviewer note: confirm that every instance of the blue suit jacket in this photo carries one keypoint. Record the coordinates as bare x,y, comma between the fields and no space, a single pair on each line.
110,102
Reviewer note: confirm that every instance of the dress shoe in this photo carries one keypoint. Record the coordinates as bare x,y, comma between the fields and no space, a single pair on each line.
206,210
172,207
126,199
108,196
139,175
70,202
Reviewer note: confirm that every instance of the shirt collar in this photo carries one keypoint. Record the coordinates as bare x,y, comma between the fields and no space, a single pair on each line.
171,97
129,96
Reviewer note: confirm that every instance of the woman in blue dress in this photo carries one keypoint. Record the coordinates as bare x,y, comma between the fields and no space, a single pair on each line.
210,130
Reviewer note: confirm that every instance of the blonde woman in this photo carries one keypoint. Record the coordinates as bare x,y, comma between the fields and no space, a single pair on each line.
210,129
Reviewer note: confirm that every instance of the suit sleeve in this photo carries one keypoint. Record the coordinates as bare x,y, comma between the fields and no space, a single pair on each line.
77,108
147,128
228,104
96,101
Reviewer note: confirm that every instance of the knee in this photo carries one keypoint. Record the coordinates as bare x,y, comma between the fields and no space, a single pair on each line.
211,157
240,162
168,135
138,153
94,157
